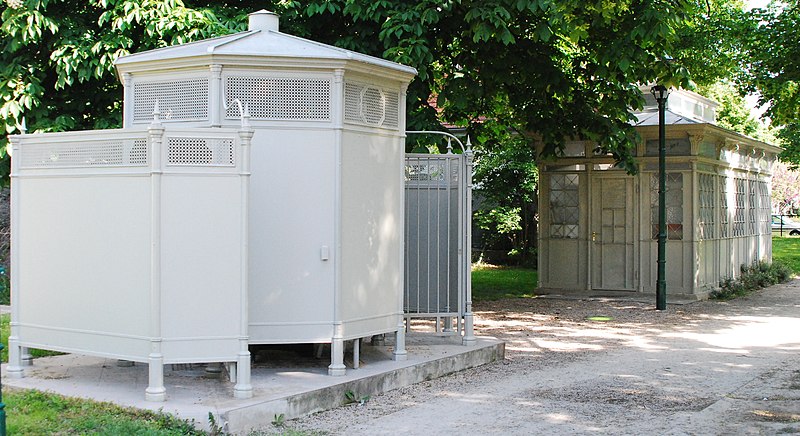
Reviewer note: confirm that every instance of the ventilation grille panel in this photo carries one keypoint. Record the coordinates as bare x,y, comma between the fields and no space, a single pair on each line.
371,105
178,100
279,98
85,154
209,152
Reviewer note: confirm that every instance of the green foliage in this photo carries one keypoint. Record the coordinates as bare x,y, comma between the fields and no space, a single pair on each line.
773,70
506,182
5,287
279,420
550,68
753,277
733,113
34,412
56,67
352,397
787,252
490,282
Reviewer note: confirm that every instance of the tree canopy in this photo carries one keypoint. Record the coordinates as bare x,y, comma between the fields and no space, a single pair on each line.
773,70
542,68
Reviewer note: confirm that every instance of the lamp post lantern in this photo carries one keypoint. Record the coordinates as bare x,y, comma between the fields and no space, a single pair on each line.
660,92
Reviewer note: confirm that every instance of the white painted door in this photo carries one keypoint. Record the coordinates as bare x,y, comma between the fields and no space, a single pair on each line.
612,233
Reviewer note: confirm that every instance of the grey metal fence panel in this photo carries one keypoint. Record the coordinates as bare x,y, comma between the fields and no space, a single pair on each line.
434,194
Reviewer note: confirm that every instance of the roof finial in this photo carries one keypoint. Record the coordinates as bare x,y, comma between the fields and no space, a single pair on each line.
263,20
246,118
156,113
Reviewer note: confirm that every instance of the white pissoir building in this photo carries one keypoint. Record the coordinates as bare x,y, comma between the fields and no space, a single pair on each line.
195,230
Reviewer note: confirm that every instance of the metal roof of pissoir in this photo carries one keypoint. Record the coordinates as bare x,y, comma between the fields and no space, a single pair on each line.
650,118
261,40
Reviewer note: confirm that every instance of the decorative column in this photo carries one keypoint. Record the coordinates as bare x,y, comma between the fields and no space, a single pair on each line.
155,389
215,96
400,352
127,102
469,330
14,368
337,341
243,388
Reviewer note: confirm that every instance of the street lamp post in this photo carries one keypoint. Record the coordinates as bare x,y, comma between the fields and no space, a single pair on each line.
660,92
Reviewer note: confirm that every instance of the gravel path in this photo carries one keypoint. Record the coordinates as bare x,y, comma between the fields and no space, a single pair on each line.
599,366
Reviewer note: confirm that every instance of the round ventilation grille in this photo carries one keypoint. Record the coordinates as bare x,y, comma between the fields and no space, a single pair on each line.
373,105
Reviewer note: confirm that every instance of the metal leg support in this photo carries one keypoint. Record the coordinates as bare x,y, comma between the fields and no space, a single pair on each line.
155,390
27,359
400,345
356,352
243,389
337,358
14,368
469,329
231,367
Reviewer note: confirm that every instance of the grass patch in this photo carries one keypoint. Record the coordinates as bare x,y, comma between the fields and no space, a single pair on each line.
787,251
490,282
34,412
756,276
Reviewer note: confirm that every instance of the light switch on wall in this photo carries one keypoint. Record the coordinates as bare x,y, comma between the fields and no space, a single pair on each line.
324,253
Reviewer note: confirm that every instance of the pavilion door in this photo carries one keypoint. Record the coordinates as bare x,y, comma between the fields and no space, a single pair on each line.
612,237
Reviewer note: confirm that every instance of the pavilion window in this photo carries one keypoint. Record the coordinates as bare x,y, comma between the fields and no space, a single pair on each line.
564,206
674,205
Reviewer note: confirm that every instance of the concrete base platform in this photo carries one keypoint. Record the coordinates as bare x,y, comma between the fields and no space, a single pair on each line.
287,380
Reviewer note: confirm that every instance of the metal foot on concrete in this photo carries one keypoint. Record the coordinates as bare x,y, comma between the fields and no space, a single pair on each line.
469,330
356,353
155,389
243,389
14,368
27,359
400,352
337,368
231,367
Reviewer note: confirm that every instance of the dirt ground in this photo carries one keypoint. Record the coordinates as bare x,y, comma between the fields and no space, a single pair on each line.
591,366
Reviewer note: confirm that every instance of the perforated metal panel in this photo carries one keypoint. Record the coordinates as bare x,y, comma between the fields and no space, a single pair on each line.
85,153
179,100
371,105
280,98
432,220
200,152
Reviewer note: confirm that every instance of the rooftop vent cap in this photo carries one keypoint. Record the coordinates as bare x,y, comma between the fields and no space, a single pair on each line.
263,20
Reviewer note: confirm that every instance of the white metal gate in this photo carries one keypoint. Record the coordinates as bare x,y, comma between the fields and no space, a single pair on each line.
438,205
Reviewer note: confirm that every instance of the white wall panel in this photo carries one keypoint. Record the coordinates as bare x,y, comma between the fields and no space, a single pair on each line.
201,256
291,220
84,253
372,219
